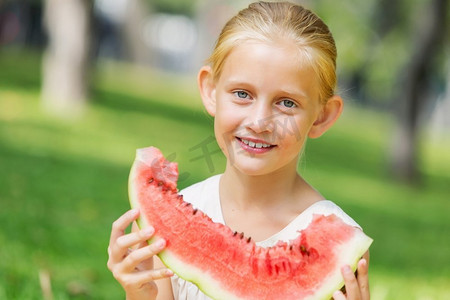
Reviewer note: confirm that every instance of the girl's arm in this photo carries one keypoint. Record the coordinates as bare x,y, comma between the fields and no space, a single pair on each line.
131,259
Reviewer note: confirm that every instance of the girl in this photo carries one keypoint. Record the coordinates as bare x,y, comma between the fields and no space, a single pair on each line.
269,85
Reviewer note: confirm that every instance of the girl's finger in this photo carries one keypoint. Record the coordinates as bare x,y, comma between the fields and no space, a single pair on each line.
124,242
143,277
363,279
135,228
121,224
139,255
351,284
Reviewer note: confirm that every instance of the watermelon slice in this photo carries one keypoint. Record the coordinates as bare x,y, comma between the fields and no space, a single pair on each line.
227,265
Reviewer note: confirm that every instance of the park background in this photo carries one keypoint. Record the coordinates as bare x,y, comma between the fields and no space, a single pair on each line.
84,83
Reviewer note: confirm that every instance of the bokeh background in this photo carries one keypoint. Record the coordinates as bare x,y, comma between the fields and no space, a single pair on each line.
84,83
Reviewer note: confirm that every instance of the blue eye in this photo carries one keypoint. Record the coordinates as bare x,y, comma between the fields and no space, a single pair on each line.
288,103
241,94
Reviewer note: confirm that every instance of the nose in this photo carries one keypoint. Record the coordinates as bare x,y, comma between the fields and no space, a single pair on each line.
261,117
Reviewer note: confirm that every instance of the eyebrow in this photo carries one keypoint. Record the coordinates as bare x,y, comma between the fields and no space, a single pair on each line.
236,81
299,94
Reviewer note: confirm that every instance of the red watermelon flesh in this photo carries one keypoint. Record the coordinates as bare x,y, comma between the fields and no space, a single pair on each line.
227,265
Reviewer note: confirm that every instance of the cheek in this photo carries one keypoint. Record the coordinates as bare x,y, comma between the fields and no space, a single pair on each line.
222,128
287,130
227,124
223,136
227,119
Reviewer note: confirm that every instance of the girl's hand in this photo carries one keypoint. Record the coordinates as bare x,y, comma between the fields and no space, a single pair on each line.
356,286
131,258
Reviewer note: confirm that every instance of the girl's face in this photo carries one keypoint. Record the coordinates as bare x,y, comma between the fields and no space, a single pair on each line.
266,102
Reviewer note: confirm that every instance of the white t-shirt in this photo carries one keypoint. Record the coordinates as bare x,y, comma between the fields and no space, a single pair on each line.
205,196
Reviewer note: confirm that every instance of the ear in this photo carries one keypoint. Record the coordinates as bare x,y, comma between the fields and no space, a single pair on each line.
207,89
328,116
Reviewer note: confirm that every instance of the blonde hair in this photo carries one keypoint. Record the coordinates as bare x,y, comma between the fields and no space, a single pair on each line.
272,21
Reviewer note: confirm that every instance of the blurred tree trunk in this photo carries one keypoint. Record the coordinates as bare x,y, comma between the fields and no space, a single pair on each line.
386,17
65,63
135,16
413,88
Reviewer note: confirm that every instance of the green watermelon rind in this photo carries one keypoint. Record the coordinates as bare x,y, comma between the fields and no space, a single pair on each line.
193,274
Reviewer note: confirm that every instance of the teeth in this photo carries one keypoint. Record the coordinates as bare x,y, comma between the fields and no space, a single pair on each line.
255,145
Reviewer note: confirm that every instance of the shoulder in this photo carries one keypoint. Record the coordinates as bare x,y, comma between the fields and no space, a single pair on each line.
327,207
322,207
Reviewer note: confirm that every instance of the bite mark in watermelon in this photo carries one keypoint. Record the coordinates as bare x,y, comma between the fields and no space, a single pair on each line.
226,265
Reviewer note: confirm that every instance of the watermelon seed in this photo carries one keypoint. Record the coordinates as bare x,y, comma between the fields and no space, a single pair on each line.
195,211
249,239
291,247
234,234
241,235
303,250
150,180
160,183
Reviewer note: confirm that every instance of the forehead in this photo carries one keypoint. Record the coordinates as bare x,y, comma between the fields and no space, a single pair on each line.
269,64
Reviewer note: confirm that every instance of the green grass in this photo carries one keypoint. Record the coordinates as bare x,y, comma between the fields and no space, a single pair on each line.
63,182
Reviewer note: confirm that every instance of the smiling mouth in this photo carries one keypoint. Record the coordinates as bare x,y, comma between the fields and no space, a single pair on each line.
255,144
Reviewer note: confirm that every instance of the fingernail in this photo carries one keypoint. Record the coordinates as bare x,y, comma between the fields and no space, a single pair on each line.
336,294
134,211
169,272
363,262
160,243
148,231
347,270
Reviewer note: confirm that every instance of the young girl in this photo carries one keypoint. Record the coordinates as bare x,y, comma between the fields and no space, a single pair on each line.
269,85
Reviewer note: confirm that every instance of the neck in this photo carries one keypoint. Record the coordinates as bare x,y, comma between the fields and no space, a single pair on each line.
268,190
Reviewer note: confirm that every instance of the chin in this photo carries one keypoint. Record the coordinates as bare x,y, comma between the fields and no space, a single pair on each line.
251,169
